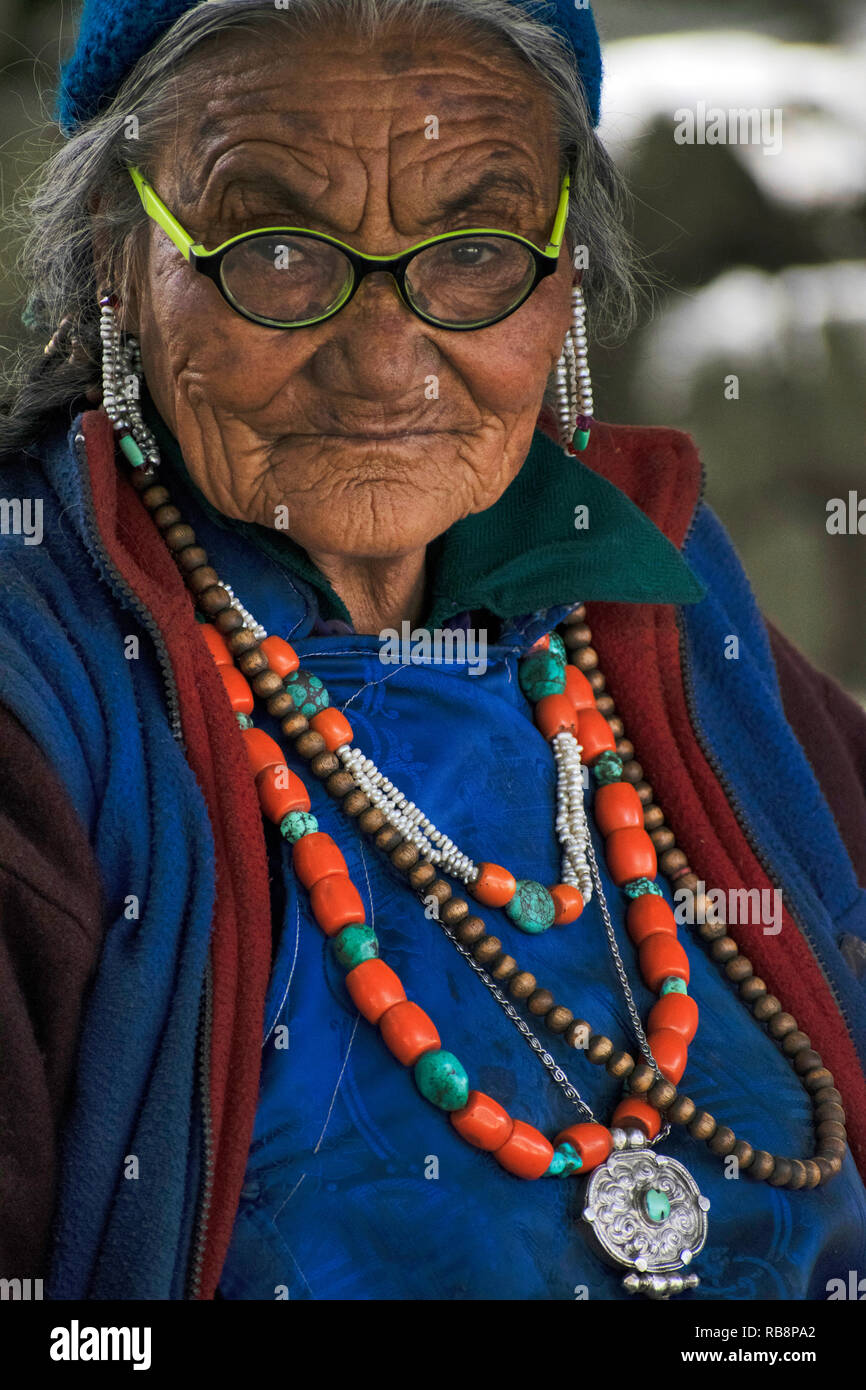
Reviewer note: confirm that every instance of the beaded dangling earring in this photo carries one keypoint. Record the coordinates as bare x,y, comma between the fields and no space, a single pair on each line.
573,382
121,388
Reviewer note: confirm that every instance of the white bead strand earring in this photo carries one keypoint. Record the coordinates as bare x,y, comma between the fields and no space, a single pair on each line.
573,381
121,387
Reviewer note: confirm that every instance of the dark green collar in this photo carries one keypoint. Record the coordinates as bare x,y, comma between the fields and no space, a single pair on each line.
523,554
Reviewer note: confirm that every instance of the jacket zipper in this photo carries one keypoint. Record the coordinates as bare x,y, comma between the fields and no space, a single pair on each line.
740,815
146,617
124,590
203,1212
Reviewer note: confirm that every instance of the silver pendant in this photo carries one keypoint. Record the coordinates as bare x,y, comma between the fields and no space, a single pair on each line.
646,1212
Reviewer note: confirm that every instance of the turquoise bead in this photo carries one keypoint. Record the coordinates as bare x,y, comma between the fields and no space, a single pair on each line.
566,1160
557,646
607,768
442,1079
307,691
673,985
579,440
532,908
541,675
354,944
297,824
244,721
656,1205
639,886
132,451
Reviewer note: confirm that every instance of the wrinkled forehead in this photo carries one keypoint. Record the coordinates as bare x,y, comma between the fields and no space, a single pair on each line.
412,108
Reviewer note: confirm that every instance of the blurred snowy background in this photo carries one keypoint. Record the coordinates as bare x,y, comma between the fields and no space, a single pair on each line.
759,259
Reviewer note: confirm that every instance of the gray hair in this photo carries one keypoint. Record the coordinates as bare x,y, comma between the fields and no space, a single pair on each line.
59,220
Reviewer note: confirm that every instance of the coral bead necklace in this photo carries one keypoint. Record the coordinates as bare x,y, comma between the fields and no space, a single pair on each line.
666,1221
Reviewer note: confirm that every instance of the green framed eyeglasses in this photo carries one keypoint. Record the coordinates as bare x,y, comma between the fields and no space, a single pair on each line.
291,277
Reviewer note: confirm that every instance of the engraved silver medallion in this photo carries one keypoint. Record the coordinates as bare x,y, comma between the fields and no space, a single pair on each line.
646,1212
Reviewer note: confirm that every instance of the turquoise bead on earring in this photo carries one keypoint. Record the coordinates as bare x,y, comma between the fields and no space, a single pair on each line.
132,451
532,908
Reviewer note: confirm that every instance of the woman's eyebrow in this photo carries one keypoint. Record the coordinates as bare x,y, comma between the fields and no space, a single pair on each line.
498,185
492,181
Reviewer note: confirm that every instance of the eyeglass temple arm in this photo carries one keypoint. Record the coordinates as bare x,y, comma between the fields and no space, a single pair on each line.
554,245
156,209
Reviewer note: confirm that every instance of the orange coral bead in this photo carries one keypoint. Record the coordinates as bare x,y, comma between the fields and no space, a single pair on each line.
676,1011
262,750
594,734
314,856
217,645
374,988
238,689
555,714
578,689
632,1113
281,791
617,806
334,728
592,1142
671,1052
408,1032
648,915
630,853
281,657
482,1122
569,903
660,956
336,903
542,645
526,1153
494,885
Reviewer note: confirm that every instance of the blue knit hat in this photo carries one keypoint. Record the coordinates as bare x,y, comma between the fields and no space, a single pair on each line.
114,34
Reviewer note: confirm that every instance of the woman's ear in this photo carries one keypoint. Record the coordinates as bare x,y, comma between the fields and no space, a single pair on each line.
127,293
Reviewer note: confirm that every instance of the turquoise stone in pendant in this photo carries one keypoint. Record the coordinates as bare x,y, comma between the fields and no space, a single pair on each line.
442,1079
297,824
656,1205
355,944
132,451
579,440
532,909
541,675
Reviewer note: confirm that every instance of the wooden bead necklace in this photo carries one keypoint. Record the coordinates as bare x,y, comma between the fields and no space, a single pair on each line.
570,706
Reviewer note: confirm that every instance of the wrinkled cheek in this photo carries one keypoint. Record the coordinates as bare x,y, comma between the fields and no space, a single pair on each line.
193,342
512,360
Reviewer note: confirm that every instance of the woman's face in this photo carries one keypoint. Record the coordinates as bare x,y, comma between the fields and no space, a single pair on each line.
331,136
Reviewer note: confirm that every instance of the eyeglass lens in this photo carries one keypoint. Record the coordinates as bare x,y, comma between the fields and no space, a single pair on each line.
296,279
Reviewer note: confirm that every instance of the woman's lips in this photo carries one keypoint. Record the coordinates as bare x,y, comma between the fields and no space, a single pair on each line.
368,435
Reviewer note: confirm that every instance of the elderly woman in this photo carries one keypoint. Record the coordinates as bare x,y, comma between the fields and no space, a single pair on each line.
520,958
